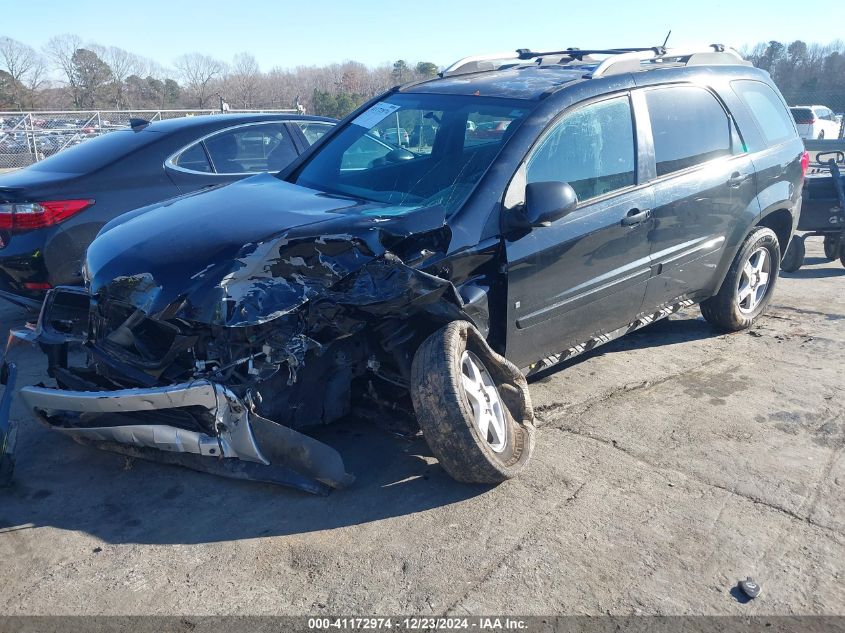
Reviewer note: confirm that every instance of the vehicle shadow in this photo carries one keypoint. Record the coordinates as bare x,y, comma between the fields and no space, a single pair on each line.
669,331
814,273
62,484
809,260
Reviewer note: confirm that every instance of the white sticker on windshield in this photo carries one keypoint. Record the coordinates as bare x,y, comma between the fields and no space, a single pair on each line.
375,115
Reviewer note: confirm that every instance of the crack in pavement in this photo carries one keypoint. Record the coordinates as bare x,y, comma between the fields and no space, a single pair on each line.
832,533
518,545
831,462
547,412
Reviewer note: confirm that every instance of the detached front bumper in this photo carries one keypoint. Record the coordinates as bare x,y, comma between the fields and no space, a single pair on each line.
200,425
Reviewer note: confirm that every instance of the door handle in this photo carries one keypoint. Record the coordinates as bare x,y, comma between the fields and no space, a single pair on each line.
635,216
737,179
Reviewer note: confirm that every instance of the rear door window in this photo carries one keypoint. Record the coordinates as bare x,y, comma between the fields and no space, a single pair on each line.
689,127
767,109
591,148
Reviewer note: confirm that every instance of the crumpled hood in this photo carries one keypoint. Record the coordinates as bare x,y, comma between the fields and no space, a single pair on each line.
248,252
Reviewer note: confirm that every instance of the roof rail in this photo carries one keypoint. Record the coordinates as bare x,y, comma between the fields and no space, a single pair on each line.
634,61
473,63
617,60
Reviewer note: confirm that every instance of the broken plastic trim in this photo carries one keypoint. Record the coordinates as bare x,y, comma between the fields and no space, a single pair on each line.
242,445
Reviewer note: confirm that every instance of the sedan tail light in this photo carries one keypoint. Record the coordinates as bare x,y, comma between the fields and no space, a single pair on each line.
24,216
805,163
37,285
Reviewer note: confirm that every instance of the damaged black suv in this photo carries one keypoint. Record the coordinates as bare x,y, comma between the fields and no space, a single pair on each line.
439,245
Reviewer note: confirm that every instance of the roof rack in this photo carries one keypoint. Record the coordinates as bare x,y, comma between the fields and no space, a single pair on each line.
616,60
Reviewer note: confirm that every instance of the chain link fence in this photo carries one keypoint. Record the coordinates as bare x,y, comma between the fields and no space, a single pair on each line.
27,137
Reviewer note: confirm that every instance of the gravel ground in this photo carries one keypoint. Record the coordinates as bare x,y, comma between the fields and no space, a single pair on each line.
669,464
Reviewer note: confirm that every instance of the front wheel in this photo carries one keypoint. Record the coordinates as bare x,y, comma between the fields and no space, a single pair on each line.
748,286
472,405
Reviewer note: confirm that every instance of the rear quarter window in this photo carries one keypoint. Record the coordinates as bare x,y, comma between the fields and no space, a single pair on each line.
768,110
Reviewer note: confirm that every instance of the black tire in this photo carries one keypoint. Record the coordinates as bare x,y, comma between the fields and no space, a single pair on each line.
446,416
793,259
723,310
842,255
821,135
831,248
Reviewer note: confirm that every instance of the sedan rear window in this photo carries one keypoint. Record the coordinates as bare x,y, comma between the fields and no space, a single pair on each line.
802,116
97,152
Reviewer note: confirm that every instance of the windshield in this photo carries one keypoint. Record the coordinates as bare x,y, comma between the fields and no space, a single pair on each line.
411,150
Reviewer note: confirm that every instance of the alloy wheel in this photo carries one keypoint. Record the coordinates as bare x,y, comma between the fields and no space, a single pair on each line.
483,398
754,281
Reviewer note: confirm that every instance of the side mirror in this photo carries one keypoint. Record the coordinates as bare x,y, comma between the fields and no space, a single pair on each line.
548,201
399,155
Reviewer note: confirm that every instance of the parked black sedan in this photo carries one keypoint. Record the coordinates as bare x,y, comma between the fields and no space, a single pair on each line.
51,211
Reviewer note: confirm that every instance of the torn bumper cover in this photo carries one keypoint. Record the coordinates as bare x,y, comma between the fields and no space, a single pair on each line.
200,425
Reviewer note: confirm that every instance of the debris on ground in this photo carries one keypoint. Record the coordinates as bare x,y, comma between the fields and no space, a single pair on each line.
749,587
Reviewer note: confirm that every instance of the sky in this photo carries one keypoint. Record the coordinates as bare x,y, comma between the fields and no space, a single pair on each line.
286,34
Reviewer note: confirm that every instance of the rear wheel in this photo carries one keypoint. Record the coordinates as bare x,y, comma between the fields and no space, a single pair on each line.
831,248
472,406
793,259
821,135
747,288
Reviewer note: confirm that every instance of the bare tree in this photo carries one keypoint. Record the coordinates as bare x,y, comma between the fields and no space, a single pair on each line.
37,76
122,64
61,50
25,67
198,73
245,79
